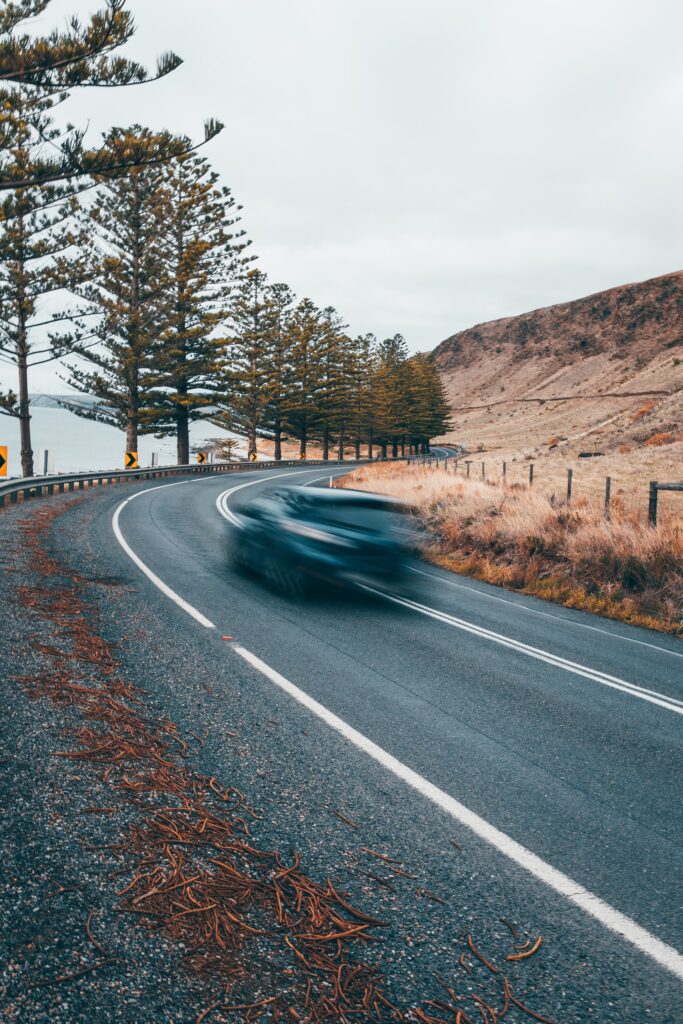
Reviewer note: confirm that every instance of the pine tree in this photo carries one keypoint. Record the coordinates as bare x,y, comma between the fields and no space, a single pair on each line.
204,254
428,409
39,263
331,389
360,371
249,379
281,299
306,330
390,392
129,289
39,72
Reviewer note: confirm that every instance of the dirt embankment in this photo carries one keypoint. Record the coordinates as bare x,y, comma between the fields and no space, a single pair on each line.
601,373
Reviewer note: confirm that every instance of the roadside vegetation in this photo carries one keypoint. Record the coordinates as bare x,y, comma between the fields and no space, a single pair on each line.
526,540
155,307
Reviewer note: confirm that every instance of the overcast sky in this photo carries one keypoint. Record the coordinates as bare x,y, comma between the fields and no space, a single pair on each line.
425,165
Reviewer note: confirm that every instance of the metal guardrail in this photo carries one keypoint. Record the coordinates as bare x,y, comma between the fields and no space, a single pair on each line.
40,486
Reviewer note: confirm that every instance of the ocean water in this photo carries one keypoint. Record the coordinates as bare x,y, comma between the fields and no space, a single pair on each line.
82,446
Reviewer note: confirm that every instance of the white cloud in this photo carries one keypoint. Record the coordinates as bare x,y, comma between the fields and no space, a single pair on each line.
427,166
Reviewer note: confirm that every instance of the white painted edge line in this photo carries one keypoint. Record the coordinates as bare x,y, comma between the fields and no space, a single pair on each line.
612,919
614,682
159,583
548,615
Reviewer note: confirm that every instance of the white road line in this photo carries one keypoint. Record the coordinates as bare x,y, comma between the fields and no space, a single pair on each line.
547,615
159,583
614,682
222,499
612,919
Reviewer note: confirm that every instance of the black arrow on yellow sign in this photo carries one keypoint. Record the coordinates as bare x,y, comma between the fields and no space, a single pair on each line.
253,456
3,461
131,460
201,458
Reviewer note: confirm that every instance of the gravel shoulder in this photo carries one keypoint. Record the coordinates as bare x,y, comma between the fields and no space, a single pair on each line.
70,954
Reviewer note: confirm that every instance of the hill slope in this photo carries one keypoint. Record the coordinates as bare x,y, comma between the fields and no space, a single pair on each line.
598,373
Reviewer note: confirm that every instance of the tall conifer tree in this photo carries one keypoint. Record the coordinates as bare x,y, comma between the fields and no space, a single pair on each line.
204,255
37,74
249,378
129,289
301,408
281,301
39,263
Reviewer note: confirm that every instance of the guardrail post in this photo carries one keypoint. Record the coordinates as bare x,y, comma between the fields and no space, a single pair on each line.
570,477
608,495
652,504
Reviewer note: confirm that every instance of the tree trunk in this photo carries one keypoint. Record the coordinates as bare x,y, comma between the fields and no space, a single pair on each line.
326,443
394,449
25,415
403,445
304,439
357,449
132,429
183,434
251,440
383,449
341,443
278,441
370,448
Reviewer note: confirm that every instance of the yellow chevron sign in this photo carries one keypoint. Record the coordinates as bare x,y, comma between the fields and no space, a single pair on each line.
201,458
3,460
131,461
302,456
253,456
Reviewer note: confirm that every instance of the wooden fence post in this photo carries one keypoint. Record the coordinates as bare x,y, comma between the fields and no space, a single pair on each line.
505,469
608,495
652,505
570,477
531,473
468,464
483,471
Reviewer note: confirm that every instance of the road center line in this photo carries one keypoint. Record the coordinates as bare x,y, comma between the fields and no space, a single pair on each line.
614,682
548,615
591,904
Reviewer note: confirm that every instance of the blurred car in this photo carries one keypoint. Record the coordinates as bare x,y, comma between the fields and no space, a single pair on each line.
299,534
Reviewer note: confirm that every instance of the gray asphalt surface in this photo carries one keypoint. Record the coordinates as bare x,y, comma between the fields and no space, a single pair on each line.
585,776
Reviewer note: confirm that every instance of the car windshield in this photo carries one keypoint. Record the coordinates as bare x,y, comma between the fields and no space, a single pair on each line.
372,516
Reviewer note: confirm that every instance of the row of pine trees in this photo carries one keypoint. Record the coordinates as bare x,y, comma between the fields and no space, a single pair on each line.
127,263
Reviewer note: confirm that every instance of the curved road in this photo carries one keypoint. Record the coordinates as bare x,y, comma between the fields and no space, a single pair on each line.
549,739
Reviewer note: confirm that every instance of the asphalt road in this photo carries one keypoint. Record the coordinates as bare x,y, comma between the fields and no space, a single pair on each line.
551,732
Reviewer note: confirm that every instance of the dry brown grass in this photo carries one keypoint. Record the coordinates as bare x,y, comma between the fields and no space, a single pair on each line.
524,539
